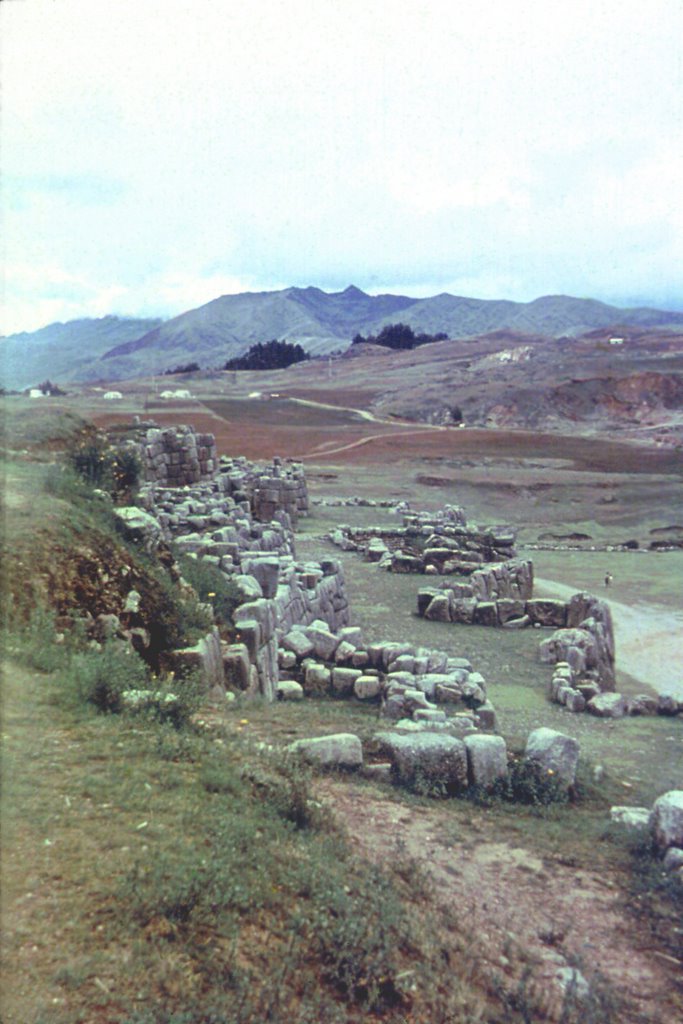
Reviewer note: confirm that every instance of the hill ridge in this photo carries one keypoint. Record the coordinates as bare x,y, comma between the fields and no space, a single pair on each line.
322,322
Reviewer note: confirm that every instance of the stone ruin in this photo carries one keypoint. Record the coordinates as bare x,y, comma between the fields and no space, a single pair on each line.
294,636
295,639
180,457
435,543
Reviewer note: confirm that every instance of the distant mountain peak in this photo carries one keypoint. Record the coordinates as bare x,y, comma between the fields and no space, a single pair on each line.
354,293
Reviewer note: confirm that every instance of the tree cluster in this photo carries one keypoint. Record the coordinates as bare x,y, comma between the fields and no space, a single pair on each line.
187,368
399,336
48,388
271,355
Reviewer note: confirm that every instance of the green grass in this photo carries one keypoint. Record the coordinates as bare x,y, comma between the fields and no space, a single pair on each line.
191,880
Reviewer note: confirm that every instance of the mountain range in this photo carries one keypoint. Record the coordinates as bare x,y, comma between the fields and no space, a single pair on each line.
116,348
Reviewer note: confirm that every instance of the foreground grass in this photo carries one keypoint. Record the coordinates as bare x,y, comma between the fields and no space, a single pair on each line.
163,876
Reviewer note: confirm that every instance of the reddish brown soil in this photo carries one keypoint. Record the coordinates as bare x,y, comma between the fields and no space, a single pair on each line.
523,908
363,443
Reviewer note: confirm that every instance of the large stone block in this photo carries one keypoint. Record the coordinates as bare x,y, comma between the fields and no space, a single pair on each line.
297,642
431,762
666,819
342,750
554,753
486,759
485,614
608,705
343,680
547,613
324,642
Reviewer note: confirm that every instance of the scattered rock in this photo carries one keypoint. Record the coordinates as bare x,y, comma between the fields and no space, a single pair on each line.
342,750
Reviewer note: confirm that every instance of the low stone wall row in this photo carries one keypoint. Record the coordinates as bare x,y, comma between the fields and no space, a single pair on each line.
440,764
577,693
429,542
496,594
584,636
413,685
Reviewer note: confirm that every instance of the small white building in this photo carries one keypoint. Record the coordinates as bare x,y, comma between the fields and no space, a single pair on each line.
36,393
182,393
112,395
616,341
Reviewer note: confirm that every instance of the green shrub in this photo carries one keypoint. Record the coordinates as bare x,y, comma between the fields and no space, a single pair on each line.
99,677
37,641
114,468
527,783
211,586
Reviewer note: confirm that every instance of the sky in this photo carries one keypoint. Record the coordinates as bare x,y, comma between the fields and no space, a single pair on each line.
156,154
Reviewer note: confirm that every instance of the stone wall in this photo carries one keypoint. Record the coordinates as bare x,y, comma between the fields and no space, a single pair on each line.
213,521
439,542
583,637
178,456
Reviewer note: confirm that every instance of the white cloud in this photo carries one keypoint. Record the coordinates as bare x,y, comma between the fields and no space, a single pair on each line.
160,150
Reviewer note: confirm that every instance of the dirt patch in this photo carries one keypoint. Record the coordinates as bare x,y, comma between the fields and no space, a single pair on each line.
524,908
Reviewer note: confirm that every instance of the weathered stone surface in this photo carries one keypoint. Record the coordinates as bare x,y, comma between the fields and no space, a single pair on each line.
236,666
574,701
474,690
248,586
666,819
367,687
486,759
429,715
486,715
463,610
344,652
439,609
485,614
342,750
324,642
139,526
667,704
509,609
343,680
351,635
547,612
642,704
316,679
632,818
554,753
608,705
520,623
673,859
297,642
434,762
289,689
447,693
